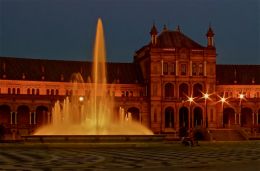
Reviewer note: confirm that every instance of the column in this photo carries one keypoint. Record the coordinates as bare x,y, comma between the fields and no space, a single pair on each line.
253,118
30,116
239,119
15,117
190,68
34,117
177,68
11,115
205,68
235,118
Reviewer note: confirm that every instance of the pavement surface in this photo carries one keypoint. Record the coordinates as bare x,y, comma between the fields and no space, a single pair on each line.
231,156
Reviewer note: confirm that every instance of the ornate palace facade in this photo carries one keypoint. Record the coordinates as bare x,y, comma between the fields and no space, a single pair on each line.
173,82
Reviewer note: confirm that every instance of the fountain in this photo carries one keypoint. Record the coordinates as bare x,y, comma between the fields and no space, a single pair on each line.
92,115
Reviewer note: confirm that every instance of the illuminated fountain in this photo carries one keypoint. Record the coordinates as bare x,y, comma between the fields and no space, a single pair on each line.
92,114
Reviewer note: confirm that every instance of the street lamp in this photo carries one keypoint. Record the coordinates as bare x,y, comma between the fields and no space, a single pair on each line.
241,97
190,100
206,96
223,100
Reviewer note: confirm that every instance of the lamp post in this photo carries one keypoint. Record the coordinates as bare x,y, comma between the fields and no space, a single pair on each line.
206,96
241,97
190,100
223,100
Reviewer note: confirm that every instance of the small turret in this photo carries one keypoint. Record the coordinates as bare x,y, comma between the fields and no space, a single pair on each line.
210,35
153,34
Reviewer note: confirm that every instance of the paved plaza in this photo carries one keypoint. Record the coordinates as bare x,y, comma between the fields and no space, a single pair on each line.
171,156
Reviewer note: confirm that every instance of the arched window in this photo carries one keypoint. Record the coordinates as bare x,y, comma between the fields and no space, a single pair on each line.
183,90
52,92
28,91
33,91
197,90
169,90
169,117
37,91
18,90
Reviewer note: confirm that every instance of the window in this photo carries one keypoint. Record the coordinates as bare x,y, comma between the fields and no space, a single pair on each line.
194,69
52,92
183,69
127,94
28,91
48,92
13,91
165,68
9,90
33,91
183,90
200,69
18,90
172,68
37,91
57,92
197,90
169,90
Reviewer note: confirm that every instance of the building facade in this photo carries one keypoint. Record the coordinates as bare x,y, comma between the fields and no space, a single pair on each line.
174,82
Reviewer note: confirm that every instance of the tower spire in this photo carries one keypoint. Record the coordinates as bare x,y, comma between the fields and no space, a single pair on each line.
210,36
153,34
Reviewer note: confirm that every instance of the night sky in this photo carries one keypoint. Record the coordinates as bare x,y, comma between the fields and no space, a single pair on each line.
65,29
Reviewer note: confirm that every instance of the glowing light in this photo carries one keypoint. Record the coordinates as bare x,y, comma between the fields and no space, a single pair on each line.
241,96
223,99
206,95
81,98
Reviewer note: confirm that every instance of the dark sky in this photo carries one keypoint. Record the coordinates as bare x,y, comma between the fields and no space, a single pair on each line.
65,29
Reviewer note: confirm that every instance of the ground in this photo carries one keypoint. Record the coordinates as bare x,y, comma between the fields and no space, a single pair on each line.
231,156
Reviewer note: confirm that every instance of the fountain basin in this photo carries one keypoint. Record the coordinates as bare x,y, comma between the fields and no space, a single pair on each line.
92,138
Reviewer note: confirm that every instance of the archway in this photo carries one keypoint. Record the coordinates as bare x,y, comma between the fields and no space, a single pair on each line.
246,117
134,113
169,90
23,115
5,117
198,117
169,117
41,115
197,90
228,116
184,117
183,90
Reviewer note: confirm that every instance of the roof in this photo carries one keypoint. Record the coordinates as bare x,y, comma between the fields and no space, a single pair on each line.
55,70
238,74
176,39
